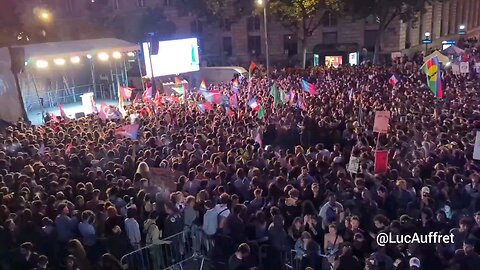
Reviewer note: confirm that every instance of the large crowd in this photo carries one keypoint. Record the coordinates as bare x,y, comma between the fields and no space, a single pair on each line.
75,195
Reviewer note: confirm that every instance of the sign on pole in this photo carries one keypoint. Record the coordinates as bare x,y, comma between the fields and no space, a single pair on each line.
382,119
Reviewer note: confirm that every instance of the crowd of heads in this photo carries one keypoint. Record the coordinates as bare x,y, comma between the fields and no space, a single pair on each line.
75,195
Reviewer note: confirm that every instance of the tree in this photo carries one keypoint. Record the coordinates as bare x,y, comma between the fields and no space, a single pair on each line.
386,11
303,17
216,10
154,21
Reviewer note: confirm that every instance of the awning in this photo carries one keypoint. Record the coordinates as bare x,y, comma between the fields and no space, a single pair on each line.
442,58
77,48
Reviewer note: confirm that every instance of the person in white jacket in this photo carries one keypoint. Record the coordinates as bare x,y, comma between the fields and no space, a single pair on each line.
132,228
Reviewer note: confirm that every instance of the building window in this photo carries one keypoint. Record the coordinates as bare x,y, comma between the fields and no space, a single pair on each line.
329,19
372,19
68,6
253,23
290,45
141,3
226,25
116,4
254,45
370,36
196,26
227,46
330,38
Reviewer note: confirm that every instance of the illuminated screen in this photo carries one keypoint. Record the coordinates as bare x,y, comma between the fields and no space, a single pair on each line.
174,57
333,61
353,58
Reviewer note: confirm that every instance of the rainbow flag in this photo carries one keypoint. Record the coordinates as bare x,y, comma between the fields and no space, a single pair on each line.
213,97
128,131
205,106
203,86
309,88
434,78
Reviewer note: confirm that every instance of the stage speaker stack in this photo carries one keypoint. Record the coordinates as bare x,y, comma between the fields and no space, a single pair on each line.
79,115
17,56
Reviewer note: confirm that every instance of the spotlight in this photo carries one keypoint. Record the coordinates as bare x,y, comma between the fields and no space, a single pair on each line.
103,56
89,56
130,54
116,55
42,64
26,63
59,61
75,59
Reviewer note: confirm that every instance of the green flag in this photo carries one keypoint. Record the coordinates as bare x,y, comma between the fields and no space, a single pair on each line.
277,95
180,90
261,113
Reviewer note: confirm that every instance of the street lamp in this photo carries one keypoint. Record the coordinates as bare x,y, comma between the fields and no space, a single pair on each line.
263,3
462,29
427,41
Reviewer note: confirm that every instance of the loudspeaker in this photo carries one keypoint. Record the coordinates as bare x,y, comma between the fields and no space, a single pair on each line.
79,115
154,46
17,56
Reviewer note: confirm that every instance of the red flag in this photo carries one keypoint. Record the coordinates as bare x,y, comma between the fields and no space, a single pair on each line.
68,150
147,95
137,99
62,112
125,92
158,99
381,161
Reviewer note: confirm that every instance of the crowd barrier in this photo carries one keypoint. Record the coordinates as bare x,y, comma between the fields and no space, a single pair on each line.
173,252
192,250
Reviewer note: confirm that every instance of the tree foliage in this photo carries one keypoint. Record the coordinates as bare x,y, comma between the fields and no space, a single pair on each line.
387,10
216,10
154,21
303,15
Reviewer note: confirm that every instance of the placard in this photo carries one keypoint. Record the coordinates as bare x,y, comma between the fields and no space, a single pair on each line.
382,119
455,69
381,161
477,68
354,164
164,178
464,68
476,149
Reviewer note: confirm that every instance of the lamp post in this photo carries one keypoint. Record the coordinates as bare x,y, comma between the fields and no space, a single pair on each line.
263,3
427,41
462,29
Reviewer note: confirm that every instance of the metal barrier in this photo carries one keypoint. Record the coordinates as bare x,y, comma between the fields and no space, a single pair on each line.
288,259
174,252
64,96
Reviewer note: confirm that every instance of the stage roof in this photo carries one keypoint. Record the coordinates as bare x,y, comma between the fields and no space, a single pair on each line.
77,48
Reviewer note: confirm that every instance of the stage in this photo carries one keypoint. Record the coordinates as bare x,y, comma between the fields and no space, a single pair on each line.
35,115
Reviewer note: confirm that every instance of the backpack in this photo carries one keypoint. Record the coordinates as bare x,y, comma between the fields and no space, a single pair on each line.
219,216
331,214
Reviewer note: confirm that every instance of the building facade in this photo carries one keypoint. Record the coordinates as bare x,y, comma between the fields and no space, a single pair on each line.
233,43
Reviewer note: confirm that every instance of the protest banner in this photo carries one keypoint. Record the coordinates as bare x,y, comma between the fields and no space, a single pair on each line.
381,161
164,178
354,164
476,149
382,119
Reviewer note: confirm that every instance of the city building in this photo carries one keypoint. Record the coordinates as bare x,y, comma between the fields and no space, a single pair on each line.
233,43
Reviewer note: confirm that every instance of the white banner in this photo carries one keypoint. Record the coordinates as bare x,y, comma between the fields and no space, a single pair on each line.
455,69
10,105
476,149
464,67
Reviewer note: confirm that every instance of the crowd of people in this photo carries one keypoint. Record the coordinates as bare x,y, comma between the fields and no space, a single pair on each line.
76,195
